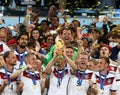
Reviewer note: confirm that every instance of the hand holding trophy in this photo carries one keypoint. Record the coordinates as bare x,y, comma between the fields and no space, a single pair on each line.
59,45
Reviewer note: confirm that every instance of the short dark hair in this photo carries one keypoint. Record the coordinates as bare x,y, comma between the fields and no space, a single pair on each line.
67,28
70,46
45,22
54,16
23,33
77,21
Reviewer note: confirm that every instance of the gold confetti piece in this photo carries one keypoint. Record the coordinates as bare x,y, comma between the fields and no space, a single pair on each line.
74,16
88,16
5,1
75,2
67,10
106,6
40,37
98,2
39,27
111,24
68,3
90,8
93,16
58,28
84,27
93,6
118,30
67,20
111,11
63,3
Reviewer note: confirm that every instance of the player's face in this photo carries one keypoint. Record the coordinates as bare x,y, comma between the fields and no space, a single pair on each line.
32,60
12,59
104,51
91,65
69,52
67,36
59,62
102,65
23,41
82,61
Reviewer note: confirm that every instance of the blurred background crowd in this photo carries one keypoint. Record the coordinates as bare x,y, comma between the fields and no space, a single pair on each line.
41,26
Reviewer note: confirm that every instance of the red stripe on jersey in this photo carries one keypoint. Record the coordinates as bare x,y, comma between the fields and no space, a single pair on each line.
87,75
25,74
3,76
1,47
112,68
108,81
55,72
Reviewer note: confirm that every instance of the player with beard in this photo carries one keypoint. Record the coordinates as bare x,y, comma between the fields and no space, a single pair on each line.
20,51
82,78
9,86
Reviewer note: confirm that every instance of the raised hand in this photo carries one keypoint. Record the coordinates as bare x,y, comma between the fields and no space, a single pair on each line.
61,10
51,11
29,10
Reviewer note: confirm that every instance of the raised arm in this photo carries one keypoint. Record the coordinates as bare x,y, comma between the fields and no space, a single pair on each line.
50,63
18,72
27,17
61,10
79,41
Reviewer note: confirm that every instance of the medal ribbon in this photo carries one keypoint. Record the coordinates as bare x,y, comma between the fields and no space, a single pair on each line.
60,78
6,74
79,82
21,58
102,82
33,78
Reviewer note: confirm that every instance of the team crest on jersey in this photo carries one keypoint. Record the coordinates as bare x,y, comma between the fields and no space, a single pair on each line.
25,74
55,72
108,81
86,76
112,68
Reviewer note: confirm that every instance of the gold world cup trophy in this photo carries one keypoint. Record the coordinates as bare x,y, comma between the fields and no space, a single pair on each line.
59,43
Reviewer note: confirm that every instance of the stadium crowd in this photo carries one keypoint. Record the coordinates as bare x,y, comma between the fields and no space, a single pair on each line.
49,58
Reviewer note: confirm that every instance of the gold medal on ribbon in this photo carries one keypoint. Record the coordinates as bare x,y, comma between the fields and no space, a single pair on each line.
79,87
34,86
101,91
58,85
